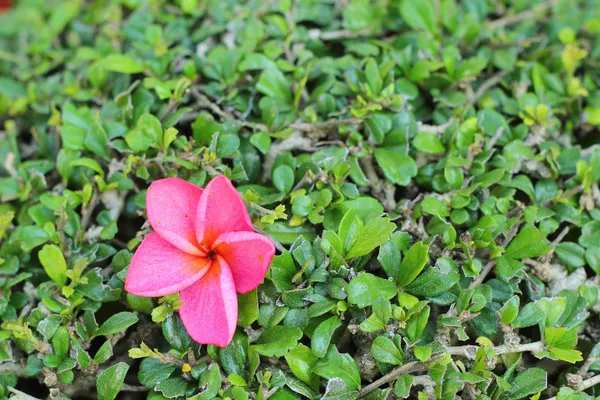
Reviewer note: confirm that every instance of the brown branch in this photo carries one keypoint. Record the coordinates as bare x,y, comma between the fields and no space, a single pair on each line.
408,368
520,17
488,84
320,126
588,383
484,273
565,195
12,368
316,34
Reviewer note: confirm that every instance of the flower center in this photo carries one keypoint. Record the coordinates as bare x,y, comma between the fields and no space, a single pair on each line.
211,255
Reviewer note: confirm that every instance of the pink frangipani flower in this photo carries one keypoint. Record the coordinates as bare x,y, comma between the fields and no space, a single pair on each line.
204,247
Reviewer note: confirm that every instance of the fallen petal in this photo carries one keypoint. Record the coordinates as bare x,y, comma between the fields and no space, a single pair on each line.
158,268
171,205
210,309
248,255
221,209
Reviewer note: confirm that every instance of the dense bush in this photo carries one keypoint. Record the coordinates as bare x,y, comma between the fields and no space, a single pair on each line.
428,171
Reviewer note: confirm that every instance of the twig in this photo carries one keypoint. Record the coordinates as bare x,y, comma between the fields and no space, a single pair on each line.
588,383
435,129
12,368
586,366
320,126
296,141
278,245
408,368
315,34
488,84
520,17
18,395
484,273
574,190
86,215
470,351
132,388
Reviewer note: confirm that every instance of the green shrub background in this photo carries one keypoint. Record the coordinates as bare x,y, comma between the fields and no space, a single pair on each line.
428,170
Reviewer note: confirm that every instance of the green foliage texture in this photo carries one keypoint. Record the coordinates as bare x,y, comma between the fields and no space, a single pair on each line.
428,169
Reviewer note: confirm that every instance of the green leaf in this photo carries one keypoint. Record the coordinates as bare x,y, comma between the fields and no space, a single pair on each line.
277,340
283,178
384,350
366,288
262,141
510,310
529,315
528,383
590,234
397,167
423,353
172,388
572,254
336,365
436,280
120,63
117,323
412,264
247,308
54,263
110,381
529,243
403,385
321,337
272,83
89,163
419,15
301,361
428,143
374,233
104,353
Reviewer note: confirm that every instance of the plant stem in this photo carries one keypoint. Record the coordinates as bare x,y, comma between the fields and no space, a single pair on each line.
588,383
520,17
469,351
396,373
12,368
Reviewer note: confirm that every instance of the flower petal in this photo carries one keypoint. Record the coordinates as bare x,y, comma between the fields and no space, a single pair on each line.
158,268
221,209
248,255
210,306
171,205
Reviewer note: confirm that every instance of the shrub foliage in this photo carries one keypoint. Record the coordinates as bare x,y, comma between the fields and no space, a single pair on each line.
427,169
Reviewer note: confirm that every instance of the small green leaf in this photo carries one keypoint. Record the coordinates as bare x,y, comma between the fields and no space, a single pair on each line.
336,365
528,383
366,288
301,361
54,263
397,167
277,340
529,243
374,233
428,143
321,337
413,263
384,350
120,63
117,323
110,381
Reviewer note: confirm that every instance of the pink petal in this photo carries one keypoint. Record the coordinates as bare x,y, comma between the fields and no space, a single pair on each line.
210,306
158,268
248,254
171,205
221,209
